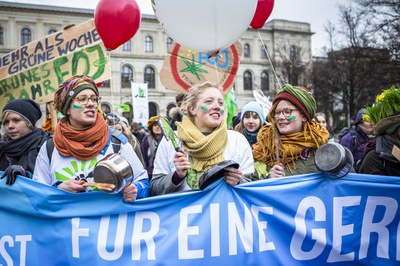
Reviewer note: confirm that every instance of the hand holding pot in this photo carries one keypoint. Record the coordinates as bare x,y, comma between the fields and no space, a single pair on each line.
130,192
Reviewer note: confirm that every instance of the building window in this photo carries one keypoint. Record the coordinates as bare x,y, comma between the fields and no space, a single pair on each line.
292,53
246,50
149,77
126,76
26,36
148,44
247,81
152,109
51,31
264,81
169,43
263,52
127,46
1,36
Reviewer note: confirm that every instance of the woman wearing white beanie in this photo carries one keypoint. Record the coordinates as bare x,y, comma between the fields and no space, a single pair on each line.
251,120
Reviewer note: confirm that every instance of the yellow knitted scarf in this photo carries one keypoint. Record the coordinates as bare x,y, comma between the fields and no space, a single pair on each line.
290,146
206,151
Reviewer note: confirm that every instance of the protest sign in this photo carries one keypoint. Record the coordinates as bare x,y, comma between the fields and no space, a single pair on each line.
34,71
140,102
297,220
183,68
49,48
41,82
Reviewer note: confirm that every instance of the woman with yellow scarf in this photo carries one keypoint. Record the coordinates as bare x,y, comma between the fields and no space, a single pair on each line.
205,141
288,145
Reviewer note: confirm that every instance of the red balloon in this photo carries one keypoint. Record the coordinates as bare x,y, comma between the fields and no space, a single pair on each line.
263,11
117,21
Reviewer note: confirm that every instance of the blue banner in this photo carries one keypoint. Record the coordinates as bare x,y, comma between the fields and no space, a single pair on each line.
299,220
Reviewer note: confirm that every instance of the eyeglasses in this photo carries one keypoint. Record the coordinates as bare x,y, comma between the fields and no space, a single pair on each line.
85,99
287,112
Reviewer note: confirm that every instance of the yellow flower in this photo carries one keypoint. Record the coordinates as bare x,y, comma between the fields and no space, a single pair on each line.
381,96
366,118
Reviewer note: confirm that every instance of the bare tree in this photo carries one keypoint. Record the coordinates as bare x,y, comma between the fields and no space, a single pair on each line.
355,69
384,16
294,65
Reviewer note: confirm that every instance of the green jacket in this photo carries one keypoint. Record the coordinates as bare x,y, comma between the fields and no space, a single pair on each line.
306,166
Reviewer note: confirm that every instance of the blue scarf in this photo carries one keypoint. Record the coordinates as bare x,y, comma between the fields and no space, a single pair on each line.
250,136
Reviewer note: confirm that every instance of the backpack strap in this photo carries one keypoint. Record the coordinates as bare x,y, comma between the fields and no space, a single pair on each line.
117,138
355,138
116,144
49,148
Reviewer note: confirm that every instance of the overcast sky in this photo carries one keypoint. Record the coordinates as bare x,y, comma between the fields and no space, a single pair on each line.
315,12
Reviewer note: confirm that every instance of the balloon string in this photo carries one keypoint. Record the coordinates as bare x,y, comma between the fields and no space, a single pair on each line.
269,58
216,71
111,87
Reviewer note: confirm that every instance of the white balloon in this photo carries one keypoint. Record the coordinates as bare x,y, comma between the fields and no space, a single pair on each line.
205,25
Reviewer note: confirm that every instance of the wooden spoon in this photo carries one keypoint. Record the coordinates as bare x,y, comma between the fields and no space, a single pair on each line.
101,186
276,143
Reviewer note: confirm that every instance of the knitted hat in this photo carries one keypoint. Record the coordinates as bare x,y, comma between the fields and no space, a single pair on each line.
26,108
300,98
70,88
253,107
124,120
152,120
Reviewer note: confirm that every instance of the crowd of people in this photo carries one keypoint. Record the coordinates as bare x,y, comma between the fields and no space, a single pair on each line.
274,145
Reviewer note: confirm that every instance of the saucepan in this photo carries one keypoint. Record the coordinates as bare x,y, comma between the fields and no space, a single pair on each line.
216,172
334,159
113,169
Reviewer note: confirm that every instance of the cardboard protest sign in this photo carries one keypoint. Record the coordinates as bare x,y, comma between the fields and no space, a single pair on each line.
49,48
183,68
41,82
35,70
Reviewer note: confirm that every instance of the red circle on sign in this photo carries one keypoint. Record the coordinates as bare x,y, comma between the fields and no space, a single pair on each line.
174,68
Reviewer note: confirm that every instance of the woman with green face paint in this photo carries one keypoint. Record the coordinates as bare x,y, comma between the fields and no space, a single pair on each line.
288,145
82,138
205,141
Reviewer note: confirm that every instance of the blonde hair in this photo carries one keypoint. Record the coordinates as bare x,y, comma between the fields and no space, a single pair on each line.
173,111
193,97
6,113
316,117
125,130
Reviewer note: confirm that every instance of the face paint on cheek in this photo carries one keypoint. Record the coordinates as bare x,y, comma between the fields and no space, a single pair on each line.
291,118
96,107
222,111
203,108
77,106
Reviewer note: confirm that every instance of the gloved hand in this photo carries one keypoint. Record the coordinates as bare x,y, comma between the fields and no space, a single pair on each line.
12,171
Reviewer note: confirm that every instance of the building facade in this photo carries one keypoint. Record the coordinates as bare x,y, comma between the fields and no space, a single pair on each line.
287,57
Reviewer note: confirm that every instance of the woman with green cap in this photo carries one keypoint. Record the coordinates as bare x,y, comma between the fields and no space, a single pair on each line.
82,138
287,146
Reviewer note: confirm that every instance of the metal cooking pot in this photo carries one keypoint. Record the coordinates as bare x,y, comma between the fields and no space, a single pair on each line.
113,169
334,159
216,172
